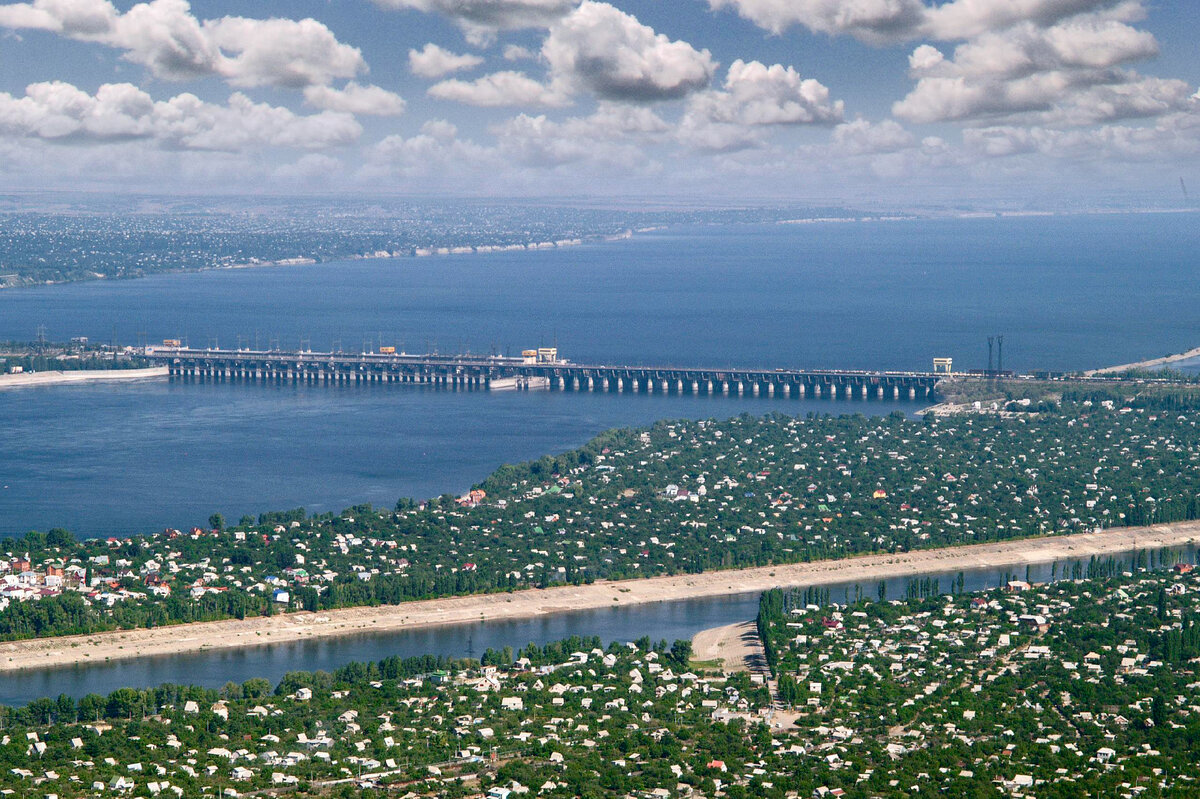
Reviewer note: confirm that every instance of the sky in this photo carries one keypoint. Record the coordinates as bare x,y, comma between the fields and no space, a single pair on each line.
965,103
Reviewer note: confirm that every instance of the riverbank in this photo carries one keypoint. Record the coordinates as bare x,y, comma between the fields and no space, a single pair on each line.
33,379
867,569
734,646
1153,363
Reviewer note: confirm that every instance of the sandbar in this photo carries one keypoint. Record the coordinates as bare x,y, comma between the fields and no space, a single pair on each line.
529,603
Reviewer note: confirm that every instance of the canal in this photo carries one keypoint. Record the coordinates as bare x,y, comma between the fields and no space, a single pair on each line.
662,620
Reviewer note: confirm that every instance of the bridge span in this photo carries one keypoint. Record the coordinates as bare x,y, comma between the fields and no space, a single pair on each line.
473,372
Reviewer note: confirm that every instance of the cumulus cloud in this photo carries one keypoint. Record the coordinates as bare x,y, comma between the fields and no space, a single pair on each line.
433,62
280,52
164,37
1087,42
58,111
754,95
963,19
1066,73
886,21
614,135
1171,136
481,19
611,53
515,52
862,137
355,99
870,20
498,89
435,152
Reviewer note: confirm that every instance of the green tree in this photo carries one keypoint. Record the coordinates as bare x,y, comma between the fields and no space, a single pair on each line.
681,651
58,537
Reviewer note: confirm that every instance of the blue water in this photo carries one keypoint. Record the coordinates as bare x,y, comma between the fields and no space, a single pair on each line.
661,621
118,458
1066,292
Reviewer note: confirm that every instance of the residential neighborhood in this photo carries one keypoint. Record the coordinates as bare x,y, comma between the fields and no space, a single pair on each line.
675,498
1076,687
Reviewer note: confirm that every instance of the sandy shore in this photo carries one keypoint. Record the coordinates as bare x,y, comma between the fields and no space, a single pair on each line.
534,602
31,379
1153,363
735,645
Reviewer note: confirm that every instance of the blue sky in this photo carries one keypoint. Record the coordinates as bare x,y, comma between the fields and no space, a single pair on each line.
1007,102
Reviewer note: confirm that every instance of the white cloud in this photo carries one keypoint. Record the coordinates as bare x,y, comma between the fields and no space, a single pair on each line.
1064,74
886,21
355,99
433,62
862,137
168,40
58,111
515,52
615,136
481,19
1087,42
869,20
435,153
753,96
605,50
964,19
498,89
281,52
1171,136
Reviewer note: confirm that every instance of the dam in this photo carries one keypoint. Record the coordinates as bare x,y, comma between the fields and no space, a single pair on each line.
541,368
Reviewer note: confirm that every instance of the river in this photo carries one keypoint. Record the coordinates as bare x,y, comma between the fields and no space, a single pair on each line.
115,459
662,620
110,459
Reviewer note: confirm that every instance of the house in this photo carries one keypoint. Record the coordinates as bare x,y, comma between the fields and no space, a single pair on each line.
120,784
1034,622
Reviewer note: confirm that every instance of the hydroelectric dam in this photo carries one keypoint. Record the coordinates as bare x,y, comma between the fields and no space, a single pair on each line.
541,368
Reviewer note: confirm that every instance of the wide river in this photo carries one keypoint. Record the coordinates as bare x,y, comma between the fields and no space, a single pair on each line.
1066,292
108,459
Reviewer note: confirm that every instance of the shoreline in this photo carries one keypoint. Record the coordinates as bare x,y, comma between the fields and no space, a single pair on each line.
35,379
1150,363
531,603
305,260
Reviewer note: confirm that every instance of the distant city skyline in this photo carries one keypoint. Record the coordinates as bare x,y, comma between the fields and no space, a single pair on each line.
1025,103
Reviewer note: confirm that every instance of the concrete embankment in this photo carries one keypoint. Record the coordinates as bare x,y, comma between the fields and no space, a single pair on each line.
35,379
1153,363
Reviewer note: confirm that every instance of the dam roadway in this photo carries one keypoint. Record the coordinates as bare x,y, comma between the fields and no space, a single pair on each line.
474,372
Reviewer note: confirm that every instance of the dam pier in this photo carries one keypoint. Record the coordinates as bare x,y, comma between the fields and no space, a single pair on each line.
541,368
